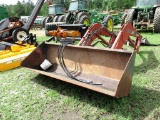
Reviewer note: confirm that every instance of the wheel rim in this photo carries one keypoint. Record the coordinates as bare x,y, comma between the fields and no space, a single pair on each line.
21,35
110,24
125,19
86,22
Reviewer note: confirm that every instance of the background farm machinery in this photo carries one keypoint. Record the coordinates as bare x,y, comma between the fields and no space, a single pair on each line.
78,13
107,18
145,15
15,41
55,14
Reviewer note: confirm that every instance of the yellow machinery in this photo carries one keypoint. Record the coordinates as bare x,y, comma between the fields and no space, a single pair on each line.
13,54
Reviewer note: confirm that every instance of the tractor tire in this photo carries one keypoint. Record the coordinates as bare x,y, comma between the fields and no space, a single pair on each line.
108,22
80,14
84,20
55,19
156,22
47,33
61,18
130,16
123,18
67,18
49,27
48,19
19,34
43,22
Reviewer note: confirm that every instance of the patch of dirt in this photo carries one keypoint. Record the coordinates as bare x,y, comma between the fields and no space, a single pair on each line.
53,112
1,116
38,32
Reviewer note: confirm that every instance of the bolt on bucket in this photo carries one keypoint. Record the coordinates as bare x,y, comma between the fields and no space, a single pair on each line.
108,71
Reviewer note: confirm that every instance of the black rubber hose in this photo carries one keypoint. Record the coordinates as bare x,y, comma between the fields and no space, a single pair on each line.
63,65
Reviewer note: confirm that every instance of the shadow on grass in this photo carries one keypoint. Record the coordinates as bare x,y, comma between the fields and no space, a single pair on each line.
149,62
137,105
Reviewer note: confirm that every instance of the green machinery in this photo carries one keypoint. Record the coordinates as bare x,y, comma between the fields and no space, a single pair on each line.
78,13
102,18
108,19
145,15
3,13
117,17
55,14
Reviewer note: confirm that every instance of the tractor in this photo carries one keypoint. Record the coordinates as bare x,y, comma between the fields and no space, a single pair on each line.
55,14
107,19
102,17
78,13
145,15
117,17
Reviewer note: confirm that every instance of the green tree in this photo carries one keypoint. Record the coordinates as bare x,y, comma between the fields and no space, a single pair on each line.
18,9
25,8
28,6
44,10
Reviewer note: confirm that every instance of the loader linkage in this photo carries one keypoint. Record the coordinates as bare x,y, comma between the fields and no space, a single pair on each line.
116,41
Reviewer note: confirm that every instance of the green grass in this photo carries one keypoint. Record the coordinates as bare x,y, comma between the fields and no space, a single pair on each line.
27,95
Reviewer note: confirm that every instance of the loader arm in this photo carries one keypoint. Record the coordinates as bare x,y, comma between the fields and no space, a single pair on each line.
116,41
95,31
124,35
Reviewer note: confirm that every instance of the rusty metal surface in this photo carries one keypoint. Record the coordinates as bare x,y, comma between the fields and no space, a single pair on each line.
112,68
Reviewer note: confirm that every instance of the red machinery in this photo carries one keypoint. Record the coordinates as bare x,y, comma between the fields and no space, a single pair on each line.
116,41
7,26
107,71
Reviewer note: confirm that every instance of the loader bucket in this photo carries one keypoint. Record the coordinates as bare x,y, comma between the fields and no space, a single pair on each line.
108,71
